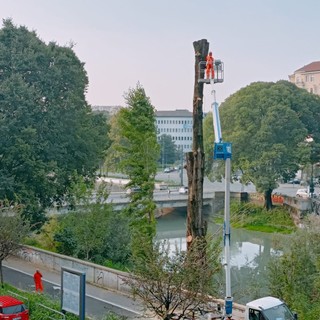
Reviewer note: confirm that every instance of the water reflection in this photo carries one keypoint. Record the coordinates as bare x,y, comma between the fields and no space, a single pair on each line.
250,252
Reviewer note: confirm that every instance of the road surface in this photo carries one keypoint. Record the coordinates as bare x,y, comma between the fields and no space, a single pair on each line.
99,301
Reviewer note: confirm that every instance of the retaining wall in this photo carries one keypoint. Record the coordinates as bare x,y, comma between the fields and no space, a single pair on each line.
95,274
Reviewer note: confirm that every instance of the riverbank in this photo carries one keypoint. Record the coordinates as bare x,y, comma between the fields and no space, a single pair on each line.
254,217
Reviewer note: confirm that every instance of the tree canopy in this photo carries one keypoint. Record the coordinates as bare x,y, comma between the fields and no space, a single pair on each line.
267,124
48,133
294,274
137,151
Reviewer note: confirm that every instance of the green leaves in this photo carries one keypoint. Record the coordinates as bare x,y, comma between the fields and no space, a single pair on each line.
48,133
294,276
136,151
267,124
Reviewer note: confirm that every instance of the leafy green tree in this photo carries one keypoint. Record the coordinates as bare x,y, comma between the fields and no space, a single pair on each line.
294,276
113,156
267,124
138,152
94,231
13,230
95,234
168,150
48,133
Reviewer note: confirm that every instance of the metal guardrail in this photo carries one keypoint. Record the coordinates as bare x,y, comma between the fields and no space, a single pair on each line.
57,315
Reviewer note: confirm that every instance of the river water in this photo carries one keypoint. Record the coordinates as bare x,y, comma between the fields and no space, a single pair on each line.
250,253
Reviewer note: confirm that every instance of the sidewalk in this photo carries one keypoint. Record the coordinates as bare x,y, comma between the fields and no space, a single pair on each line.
103,295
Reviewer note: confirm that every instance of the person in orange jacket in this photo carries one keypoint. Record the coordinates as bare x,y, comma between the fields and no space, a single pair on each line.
209,66
38,281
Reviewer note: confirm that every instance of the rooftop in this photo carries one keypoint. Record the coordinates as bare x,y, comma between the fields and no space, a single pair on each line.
174,113
311,67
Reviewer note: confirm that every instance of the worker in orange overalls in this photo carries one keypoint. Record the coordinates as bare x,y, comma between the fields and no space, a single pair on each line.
38,281
209,66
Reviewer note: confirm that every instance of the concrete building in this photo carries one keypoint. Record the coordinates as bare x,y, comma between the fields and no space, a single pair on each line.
178,124
109,110
308,77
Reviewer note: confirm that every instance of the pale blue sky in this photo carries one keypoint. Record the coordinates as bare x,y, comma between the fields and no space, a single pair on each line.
122,42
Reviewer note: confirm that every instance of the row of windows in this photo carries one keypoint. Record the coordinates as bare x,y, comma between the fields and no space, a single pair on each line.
308,78
174,130
174,121
179,138
184,146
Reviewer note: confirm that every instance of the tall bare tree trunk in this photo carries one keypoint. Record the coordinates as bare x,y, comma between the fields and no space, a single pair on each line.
196,224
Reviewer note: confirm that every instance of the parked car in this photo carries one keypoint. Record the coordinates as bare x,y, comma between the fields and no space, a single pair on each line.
12,309
163,187
133,190
167,170
183,190
295,181
302,193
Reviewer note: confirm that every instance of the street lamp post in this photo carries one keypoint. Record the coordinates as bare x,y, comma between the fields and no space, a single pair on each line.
181,166
311,188
310,141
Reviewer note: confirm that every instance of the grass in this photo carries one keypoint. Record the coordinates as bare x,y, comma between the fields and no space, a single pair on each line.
253,217
35,300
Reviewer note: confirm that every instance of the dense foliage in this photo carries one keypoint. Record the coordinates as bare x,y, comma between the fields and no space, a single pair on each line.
251,216
48,133
267,124
295,274
94,232
135,141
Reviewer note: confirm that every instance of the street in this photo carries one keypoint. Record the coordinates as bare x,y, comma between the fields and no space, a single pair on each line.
288,189
99,301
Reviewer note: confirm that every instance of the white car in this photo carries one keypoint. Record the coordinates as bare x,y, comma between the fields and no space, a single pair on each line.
183,190
302,193
133,190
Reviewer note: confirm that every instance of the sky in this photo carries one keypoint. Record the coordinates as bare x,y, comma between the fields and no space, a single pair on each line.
125,42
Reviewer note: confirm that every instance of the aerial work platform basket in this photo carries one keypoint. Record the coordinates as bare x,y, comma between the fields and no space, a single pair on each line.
218,72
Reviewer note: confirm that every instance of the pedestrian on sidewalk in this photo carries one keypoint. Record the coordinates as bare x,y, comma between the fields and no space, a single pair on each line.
38,281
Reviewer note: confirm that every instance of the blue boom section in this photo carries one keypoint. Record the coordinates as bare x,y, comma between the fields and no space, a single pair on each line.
222,150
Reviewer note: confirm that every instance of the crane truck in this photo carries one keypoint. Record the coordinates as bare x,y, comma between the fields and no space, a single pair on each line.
266,308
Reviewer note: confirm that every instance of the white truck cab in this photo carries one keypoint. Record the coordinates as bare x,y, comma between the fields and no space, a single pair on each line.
268,308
